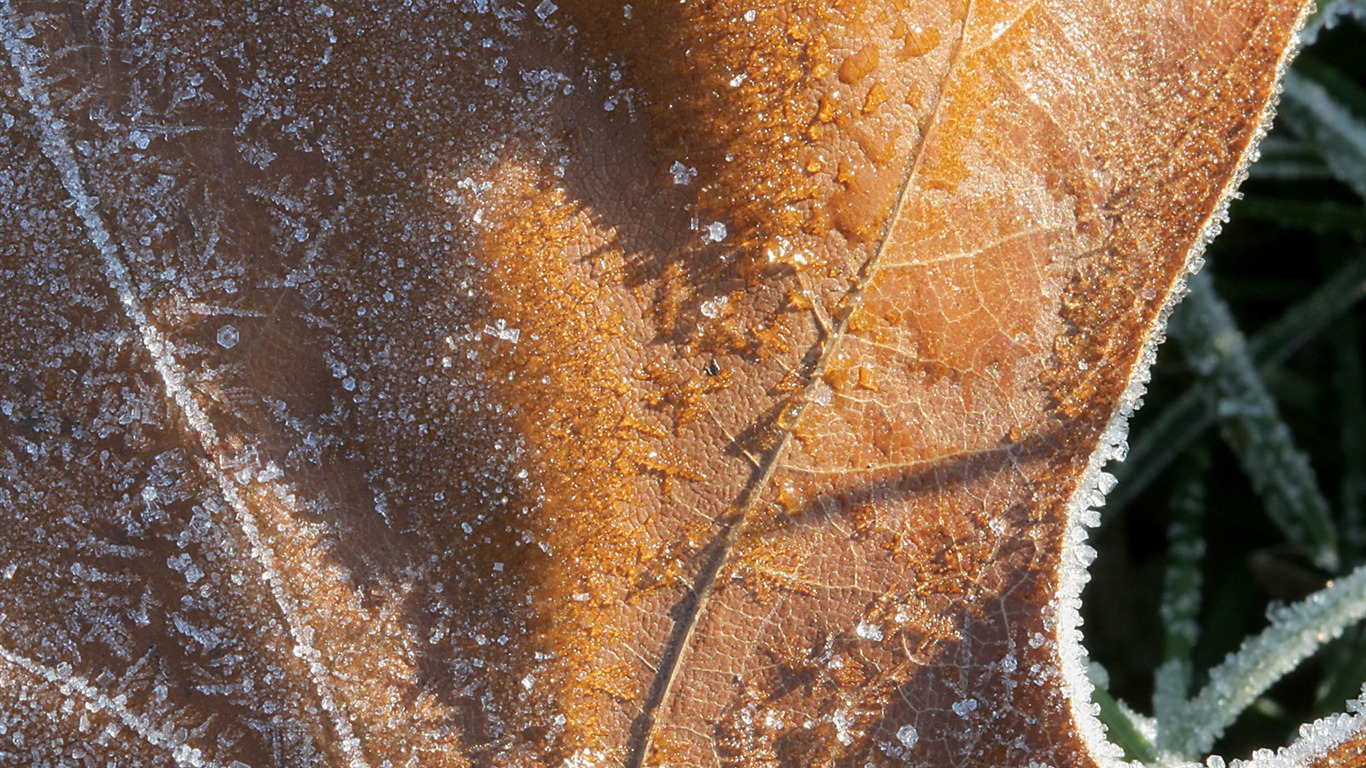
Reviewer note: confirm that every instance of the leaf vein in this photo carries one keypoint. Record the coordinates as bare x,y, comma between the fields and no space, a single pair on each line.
57,147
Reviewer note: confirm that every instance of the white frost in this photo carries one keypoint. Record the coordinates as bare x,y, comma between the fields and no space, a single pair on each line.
869,631
500,329
682,174
585,758
843,722
158,734
227,336
713,307
58,148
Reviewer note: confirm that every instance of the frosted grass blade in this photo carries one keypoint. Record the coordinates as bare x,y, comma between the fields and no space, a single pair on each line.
1252,426
1295,633
1351,389
1328,15
1182,422
1287,159
1318,105
1180,608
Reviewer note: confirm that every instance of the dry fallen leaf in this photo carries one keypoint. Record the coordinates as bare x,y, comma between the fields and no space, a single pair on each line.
584,384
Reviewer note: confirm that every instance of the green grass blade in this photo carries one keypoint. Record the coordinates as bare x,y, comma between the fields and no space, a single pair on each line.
1318,216
1310,317
1124,727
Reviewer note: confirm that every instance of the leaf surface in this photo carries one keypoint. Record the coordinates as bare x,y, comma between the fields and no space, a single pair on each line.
583,384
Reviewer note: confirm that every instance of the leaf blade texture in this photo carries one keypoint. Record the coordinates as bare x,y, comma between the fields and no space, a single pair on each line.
584,384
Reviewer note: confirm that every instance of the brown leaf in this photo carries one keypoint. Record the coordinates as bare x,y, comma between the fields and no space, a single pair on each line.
502,384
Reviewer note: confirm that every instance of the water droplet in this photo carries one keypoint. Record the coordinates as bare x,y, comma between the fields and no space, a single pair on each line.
858,64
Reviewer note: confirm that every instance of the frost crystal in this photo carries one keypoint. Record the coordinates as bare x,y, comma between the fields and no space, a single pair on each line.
584,758
907,735
682,174
843,722
868,631
715,232
824,396
545,9
501,330
964,706
227,336
713,307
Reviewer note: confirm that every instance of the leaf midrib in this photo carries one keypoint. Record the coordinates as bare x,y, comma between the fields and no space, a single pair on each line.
680,643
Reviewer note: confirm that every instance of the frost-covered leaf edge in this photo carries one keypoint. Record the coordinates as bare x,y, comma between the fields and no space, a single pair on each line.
1085,507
